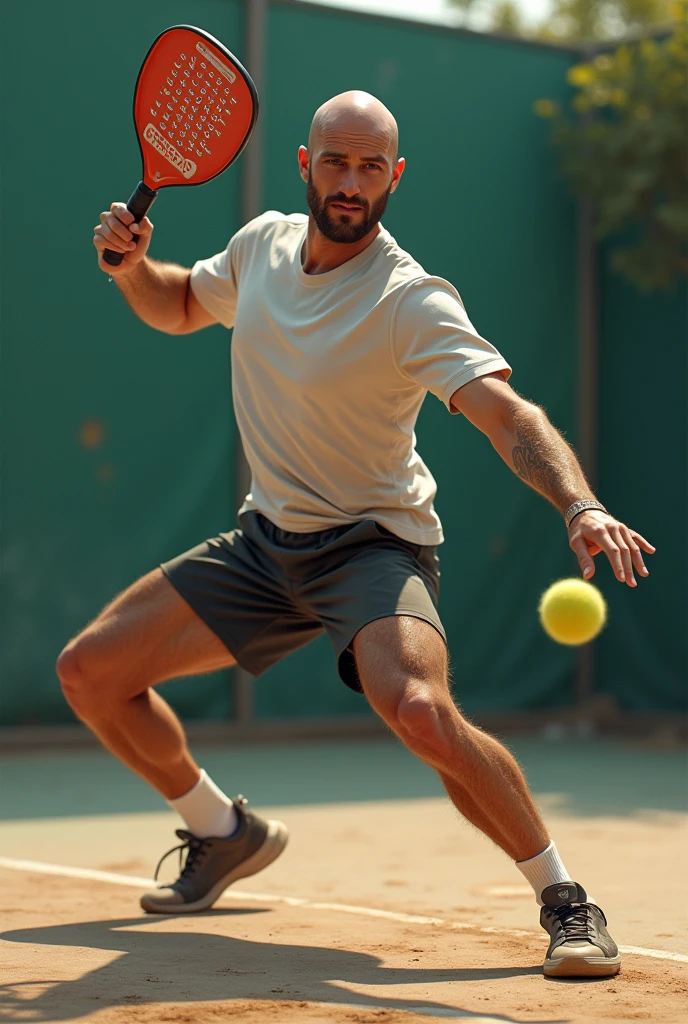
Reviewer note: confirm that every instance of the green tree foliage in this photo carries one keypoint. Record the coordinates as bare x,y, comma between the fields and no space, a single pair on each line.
568,20
596,20
624,145
507,18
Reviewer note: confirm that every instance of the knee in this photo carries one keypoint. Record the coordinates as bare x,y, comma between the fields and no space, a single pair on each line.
76,672
427,722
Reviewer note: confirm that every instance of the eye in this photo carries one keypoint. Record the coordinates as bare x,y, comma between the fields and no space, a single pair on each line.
375,167
333,160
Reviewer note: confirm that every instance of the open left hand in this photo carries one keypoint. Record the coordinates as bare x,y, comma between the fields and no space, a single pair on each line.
594,531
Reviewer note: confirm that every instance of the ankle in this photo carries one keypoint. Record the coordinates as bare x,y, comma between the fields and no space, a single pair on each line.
182,783
206,810
545,868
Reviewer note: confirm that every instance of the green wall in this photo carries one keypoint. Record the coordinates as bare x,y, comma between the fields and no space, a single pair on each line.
79,524
480,203
643,654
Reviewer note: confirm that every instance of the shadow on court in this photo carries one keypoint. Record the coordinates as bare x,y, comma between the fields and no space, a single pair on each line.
188,967
589,777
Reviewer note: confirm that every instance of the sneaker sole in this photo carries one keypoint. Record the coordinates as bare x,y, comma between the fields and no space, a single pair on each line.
272,846
582,967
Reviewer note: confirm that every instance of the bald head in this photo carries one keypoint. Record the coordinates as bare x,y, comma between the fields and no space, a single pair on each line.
351,165
358,117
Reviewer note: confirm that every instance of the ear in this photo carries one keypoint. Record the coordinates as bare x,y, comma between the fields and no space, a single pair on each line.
304,162
397,173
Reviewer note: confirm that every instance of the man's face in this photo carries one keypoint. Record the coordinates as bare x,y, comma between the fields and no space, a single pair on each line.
350,176
344,218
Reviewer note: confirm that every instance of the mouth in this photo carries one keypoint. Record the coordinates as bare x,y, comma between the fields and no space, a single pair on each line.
346,207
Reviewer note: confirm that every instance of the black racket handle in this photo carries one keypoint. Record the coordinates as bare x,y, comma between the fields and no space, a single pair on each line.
140,202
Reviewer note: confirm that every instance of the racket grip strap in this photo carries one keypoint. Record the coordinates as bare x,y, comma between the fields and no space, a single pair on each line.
139,203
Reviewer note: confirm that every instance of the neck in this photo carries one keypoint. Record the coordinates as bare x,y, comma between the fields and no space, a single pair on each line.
319,254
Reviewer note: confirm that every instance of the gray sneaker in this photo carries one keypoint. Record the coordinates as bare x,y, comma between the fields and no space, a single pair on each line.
214,863
581,946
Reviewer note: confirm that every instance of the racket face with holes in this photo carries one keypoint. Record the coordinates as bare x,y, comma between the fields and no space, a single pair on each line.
194,108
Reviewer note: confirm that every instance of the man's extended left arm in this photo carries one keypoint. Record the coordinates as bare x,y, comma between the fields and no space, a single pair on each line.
535,450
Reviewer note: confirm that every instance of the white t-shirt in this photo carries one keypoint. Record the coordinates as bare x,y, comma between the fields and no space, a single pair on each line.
329,372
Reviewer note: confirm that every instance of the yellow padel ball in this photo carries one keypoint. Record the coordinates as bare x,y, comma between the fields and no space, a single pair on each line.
572,611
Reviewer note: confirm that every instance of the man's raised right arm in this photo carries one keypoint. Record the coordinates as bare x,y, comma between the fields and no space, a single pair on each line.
159,293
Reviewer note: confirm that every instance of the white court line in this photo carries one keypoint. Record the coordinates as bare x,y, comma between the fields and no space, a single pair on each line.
90,874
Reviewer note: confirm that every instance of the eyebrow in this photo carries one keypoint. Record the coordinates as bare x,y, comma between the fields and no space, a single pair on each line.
379,159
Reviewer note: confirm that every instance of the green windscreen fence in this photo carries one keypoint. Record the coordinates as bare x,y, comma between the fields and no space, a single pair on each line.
642,656
119,443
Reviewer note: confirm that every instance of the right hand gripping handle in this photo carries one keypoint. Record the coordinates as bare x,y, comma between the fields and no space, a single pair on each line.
140,202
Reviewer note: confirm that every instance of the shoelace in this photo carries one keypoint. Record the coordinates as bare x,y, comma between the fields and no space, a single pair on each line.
575,920
194,847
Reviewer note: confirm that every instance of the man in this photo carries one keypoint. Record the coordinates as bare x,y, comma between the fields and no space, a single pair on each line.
338,335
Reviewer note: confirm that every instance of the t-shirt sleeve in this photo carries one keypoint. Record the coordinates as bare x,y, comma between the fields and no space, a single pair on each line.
214,282
435,344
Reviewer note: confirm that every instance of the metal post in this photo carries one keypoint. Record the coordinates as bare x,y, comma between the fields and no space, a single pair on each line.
252,157
251,206
587,346
587,394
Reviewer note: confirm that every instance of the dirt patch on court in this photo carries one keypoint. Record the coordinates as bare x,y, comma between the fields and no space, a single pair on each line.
76,950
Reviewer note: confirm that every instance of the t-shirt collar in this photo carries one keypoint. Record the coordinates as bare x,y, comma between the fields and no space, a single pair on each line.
342,271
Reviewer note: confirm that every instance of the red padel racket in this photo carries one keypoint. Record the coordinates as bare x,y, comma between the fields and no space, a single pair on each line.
194,110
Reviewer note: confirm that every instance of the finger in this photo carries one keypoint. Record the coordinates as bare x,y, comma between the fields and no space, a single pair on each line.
104,238
611,550
116,226
636,553
625,552
585,560
122,213
117,245
644,544
143,228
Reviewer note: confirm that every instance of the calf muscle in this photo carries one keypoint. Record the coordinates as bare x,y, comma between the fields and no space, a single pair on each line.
402,665
145,636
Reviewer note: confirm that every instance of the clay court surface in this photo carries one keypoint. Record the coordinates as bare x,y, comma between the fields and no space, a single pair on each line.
383,908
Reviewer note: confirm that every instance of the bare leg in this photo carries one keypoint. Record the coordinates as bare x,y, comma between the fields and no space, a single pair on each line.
146,635
470,810
402,664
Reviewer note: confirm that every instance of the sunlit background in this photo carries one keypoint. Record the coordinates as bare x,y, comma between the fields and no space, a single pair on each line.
565,20
546,179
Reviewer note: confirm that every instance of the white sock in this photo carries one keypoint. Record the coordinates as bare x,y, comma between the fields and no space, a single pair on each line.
206,810
547,868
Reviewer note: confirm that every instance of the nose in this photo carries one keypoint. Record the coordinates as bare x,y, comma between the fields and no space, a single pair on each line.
349,185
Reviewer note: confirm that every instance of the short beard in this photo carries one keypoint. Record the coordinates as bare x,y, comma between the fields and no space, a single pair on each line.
345,232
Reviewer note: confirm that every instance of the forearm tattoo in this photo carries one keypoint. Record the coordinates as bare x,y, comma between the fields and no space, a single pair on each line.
545,461
529,462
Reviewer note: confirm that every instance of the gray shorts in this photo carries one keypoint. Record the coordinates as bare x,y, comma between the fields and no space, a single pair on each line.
265,592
